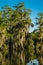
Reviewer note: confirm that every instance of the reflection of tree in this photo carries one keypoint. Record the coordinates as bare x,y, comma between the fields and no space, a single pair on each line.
34,64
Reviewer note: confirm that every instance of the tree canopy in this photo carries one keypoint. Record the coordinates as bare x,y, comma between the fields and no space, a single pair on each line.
17,45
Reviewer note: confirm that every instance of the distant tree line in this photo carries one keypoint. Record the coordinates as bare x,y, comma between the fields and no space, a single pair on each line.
17,45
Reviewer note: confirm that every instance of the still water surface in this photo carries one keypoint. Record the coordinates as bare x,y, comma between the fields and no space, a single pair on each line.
33,62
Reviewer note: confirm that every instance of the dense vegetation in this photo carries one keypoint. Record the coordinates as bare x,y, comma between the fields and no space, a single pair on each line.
17,45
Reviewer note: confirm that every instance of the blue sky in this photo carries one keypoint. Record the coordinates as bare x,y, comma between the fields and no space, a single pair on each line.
35,5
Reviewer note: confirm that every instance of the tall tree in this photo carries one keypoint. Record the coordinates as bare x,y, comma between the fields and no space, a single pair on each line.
21,29
39,47
14,27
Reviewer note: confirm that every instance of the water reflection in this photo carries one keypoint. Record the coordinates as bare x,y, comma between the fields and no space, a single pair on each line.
33,62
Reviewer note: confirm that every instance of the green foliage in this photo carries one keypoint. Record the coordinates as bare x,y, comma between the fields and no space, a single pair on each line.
17,45
14,25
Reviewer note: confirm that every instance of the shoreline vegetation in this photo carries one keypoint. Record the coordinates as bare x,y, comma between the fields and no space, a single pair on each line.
17,45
